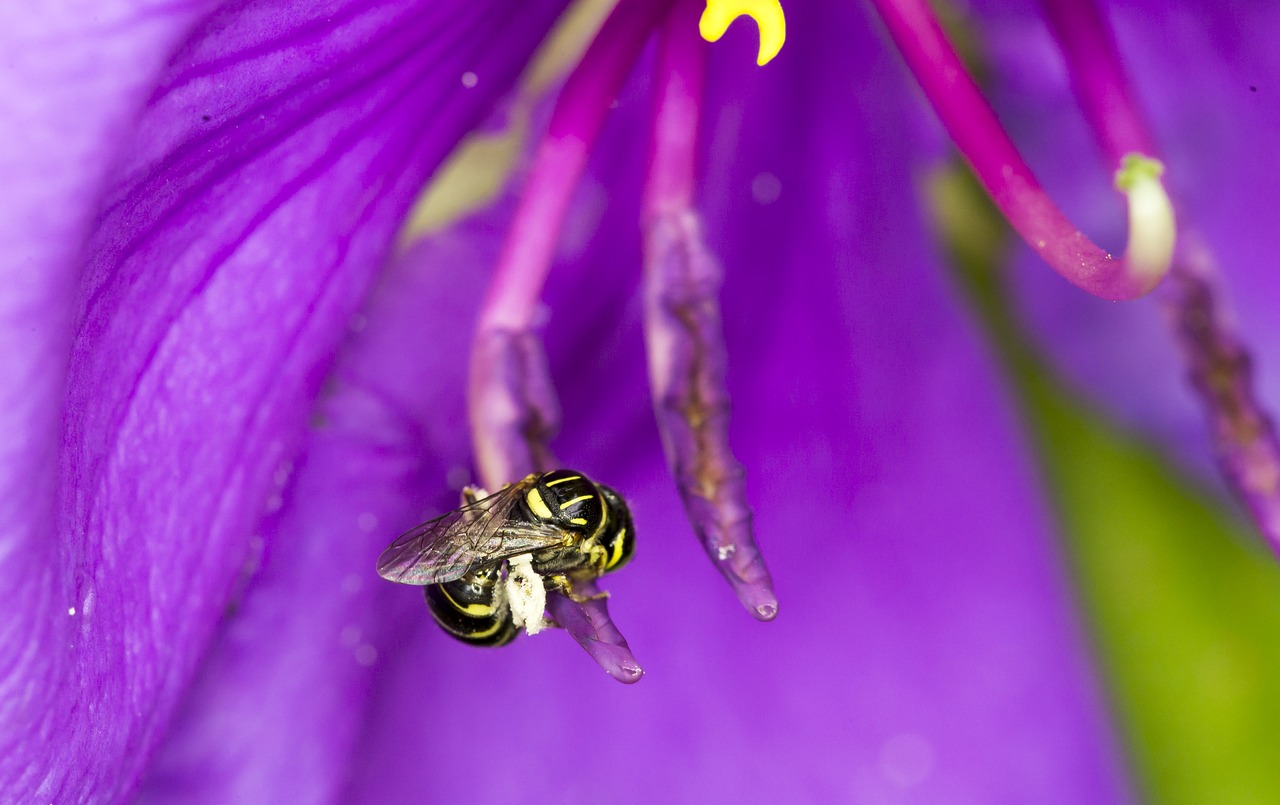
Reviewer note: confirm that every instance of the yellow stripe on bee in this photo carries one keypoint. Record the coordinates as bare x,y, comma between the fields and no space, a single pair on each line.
563,480
497,624
618,542
474,610
604,518
578,499
537,505
579,521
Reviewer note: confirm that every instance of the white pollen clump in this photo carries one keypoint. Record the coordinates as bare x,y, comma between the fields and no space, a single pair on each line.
725,551
526,594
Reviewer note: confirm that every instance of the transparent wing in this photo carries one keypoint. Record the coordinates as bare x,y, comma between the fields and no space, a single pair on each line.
481,533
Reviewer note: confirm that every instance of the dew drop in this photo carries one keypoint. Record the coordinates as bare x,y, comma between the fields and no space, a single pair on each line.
766,188
906,760
350,636
366,654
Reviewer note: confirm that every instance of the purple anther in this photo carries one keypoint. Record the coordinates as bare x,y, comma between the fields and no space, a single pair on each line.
1221,371
683,333
590,625
687,376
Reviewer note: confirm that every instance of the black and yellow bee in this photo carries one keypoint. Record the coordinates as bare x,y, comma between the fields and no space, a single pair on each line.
568,528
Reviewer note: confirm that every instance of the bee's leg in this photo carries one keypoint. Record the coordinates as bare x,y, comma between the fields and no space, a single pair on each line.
561,584
470,494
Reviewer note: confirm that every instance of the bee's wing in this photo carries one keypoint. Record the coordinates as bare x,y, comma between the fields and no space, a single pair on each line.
447,547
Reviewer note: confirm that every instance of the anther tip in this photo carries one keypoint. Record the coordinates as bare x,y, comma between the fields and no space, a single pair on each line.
628,674
1152,225
758,599
617,661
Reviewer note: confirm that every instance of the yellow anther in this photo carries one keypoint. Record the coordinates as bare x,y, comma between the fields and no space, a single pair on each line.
767,14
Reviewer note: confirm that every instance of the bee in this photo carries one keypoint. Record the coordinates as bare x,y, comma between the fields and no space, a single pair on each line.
488,566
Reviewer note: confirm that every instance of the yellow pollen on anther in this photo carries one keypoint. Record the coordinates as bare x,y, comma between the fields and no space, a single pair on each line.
767,14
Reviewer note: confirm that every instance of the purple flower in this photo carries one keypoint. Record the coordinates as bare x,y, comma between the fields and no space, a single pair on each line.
227,387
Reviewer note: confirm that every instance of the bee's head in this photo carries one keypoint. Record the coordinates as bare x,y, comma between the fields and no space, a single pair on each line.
619,539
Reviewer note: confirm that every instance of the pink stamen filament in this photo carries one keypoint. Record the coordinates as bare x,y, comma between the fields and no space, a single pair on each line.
995,160
511,399
673,157
500,417
559,162
1100,84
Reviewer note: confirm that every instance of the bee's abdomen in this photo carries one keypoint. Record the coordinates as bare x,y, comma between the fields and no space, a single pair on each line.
473,608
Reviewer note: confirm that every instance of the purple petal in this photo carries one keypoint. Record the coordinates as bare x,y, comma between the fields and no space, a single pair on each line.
301,655
72,77
929,648
258,194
